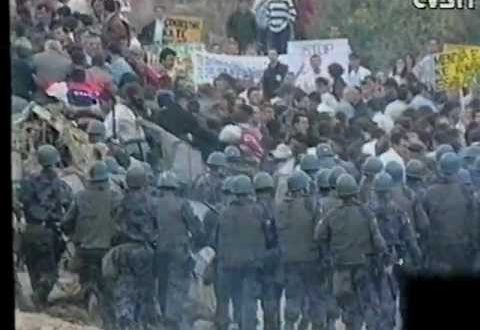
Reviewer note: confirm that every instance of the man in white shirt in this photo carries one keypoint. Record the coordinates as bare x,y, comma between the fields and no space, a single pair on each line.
309,73
421,98
327,99
356,73
398,148
395,109
425,69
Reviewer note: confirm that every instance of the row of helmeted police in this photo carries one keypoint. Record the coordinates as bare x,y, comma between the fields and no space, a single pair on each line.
332,246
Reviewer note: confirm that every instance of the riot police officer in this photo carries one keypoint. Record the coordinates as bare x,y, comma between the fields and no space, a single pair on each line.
241,250
415,174
310,165
371,167
96,131
451,244
402,247
179,231
304,290
323,185
132,283
272,278
45,198
207,187
89,222
407,200
352,234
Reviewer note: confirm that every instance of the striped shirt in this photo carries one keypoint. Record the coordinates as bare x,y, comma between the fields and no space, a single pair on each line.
279,13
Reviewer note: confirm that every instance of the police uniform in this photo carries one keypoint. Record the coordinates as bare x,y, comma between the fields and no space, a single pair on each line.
132,281
45,198
352,234
178,231
241,251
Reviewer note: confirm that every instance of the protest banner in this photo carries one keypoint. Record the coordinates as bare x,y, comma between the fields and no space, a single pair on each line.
208,66
183,29
330,50
457,67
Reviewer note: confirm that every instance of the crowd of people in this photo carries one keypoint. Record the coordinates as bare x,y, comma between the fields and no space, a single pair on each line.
326,188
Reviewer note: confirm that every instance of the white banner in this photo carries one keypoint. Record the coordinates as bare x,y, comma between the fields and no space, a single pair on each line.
330,51
207,66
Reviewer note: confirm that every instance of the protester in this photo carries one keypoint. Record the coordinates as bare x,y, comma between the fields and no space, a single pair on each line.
356,73
274,75
241,26
281,15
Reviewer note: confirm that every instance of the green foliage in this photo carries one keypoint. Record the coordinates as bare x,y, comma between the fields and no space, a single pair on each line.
383,30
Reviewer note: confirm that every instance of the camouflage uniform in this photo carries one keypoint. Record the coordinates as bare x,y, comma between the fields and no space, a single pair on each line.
305,291
129,265
178,230
89,222
45,197
272,275
241,250
396,228
352,234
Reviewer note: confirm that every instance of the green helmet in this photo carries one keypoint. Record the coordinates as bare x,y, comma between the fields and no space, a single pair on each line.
334,175
217,159
297,181
263,180
441,150
395,170
168,179
372,165
382,182
324,150
449,164
322,178
99,172
227,185
309,163
136,177
242,185
346,185
471,152
415,169
113,166
96,127
476,164
48,155
148,171
232,152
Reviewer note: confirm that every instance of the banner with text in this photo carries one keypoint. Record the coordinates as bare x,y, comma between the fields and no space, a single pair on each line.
207,66
457,67
182,29
330,51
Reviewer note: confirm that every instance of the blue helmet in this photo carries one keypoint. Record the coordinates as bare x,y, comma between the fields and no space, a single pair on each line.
449,164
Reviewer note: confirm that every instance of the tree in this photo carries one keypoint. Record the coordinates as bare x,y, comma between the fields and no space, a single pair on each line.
381,31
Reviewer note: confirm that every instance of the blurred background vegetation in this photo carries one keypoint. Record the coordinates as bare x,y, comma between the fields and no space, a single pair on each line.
383,30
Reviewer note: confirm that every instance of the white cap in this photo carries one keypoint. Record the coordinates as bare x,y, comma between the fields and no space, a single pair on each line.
282,151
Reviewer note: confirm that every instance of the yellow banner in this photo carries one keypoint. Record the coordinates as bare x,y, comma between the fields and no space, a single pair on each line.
453,47
183,29
458,66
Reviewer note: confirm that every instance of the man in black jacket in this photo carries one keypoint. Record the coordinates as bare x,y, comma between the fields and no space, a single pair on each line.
180,123
273,76
241,26
153,32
